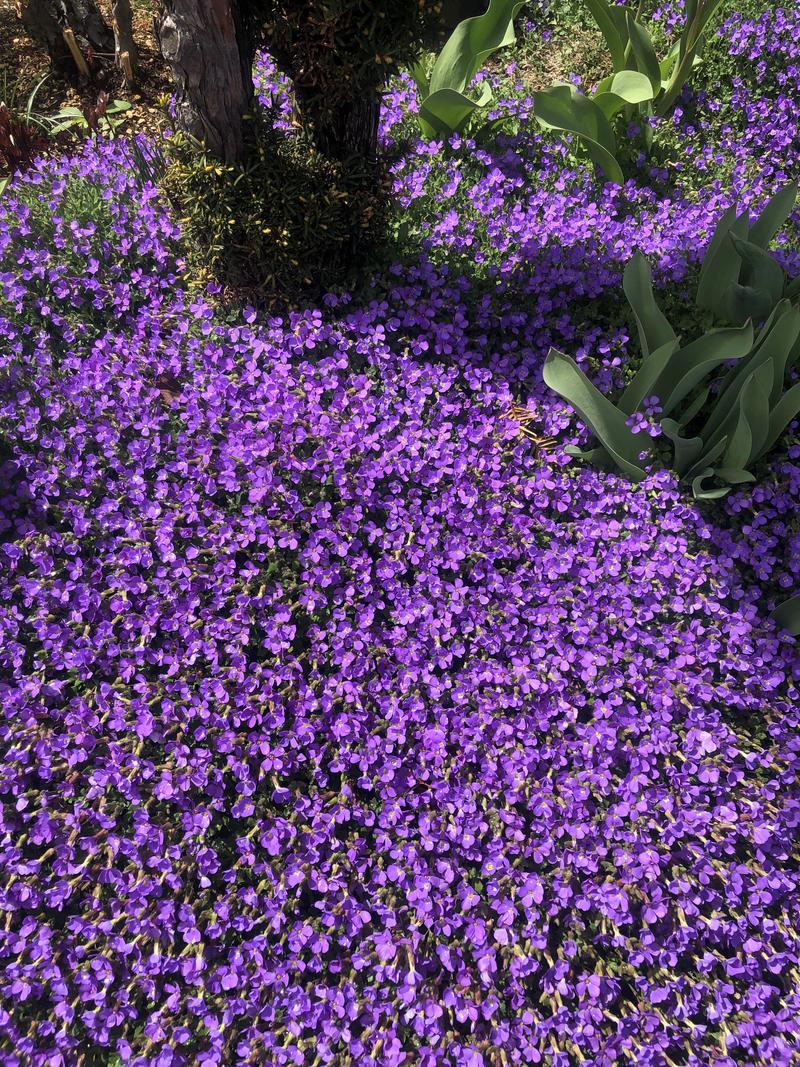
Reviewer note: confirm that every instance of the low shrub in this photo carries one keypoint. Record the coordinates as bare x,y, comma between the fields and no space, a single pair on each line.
288,222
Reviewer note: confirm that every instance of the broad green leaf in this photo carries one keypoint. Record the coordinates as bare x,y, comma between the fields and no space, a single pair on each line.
701,493
775,213
625,87
693,363
646,58
787,409
562,108
752,422
686,449
471,42
743,302
734,475
774,348
709,456
643,383
608,24
446,111
696,406
759,269
607,422
787,615
721,265
637,283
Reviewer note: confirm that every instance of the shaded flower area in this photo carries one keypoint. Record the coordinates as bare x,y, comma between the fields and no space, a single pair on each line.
344,721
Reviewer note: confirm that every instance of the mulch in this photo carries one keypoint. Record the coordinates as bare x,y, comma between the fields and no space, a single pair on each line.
24,62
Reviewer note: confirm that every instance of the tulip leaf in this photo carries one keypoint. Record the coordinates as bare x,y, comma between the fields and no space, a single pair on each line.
775,213
787,615
686,449
471,42
721,265
608,22
642,47
637,283
562,107
643,383
787,409
607,422
759,269
693,363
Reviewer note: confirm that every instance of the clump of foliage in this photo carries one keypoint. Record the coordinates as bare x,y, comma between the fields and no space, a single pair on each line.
289,221
641,85
720,400
444,105
339,54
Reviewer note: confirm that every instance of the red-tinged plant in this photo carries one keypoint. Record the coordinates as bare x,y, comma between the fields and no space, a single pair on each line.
20,142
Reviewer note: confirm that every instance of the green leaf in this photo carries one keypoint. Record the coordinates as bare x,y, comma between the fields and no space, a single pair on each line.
775,213
419,73
693,363
787,409
700,493
646,58
734,476
721,264
608,24
607,422
759,269
743,302
471,42
752,422
787,615
446,111
563,108
643,383
637,283
696,406
625,87
686,450
774,348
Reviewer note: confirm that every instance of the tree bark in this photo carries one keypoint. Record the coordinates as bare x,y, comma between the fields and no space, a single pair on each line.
210,47
46,20
124,44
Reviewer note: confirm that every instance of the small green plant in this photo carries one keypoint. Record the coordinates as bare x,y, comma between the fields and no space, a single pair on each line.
721,400
444,104
641,85
100,117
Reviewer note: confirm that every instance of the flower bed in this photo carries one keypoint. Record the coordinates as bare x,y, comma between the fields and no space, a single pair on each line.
344,720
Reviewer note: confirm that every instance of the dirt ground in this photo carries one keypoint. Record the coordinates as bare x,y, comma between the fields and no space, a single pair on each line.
23,63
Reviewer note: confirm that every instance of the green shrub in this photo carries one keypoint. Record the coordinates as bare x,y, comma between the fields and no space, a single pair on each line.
288,223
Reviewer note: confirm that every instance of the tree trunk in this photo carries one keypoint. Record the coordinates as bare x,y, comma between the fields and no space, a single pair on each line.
46,20
349,131
210,48
124,44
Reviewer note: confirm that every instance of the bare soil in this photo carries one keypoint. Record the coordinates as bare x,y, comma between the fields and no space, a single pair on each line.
24,63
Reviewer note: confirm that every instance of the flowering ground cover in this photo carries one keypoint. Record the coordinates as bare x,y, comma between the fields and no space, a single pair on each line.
345,719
